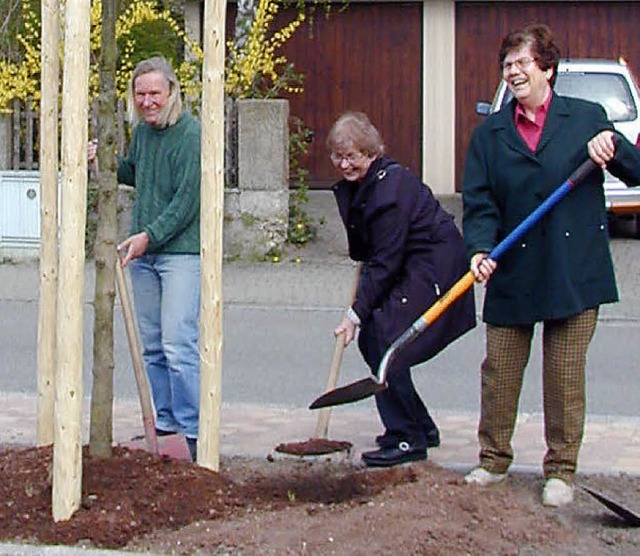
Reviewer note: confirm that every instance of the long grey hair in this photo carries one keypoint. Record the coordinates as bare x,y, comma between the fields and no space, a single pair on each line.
172,110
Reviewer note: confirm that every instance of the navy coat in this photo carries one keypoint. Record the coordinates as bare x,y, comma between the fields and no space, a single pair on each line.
412,253
563,265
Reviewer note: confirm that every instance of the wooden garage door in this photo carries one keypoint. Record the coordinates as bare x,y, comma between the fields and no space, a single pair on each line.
367,57
582,29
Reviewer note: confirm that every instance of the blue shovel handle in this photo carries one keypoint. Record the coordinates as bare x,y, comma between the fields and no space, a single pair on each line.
572,181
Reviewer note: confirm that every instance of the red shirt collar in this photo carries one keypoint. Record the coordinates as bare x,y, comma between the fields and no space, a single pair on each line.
532,131
541,111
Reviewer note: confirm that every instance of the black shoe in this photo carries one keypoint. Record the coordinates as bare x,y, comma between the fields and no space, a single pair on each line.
193,447
387,457
386,441
160,432
432,440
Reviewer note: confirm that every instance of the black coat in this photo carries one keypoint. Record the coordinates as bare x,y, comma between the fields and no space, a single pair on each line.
562,266
412,253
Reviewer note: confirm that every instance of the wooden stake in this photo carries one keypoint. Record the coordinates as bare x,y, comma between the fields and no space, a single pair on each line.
67,448
211,219
46,346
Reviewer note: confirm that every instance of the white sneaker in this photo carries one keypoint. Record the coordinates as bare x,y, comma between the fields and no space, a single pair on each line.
482,477
557,493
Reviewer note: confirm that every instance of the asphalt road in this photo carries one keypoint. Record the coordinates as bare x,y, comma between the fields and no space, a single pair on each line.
278,342
278,322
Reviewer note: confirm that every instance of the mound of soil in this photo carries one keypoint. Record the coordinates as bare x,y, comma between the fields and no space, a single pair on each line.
314,447
297,506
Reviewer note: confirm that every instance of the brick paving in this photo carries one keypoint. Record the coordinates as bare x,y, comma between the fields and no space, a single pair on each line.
611,444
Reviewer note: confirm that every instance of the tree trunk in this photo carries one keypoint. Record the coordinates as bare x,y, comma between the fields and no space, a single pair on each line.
101,430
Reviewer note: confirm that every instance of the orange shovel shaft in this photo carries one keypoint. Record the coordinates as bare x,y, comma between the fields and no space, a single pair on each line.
423,322
452,295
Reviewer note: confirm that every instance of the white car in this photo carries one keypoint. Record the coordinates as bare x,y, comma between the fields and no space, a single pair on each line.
611,84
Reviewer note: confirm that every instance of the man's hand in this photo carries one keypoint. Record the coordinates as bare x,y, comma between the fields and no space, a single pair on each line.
135,246
92,150
482,267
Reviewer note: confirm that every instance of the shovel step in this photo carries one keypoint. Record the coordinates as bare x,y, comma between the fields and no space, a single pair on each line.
173,446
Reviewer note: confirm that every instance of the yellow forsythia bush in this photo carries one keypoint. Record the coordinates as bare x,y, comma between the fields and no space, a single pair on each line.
255,70
22,80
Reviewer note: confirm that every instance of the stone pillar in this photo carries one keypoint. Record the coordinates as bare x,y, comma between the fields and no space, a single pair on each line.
5,142
257,212
263,144
439,110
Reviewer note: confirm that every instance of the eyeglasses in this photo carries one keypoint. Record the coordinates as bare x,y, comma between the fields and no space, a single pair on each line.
520,63
351,158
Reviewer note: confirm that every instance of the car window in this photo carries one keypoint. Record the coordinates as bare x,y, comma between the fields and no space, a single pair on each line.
611,90
608,89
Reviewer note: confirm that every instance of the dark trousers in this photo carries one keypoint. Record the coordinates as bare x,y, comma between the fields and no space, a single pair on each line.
402,411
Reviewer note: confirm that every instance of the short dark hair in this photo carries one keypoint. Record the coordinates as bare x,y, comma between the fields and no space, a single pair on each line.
543,47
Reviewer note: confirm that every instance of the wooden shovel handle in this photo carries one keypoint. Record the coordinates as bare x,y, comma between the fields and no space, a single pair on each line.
148,420
322,426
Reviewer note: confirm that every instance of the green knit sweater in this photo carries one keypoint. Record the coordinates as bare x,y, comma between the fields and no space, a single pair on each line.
164,167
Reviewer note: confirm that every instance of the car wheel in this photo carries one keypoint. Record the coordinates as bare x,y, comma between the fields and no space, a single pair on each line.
612,227
636,226
624,226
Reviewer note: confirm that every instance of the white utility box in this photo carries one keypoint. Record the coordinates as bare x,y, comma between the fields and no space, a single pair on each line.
19,213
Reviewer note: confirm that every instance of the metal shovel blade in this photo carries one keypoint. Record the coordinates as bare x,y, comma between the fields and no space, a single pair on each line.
349,393
630,517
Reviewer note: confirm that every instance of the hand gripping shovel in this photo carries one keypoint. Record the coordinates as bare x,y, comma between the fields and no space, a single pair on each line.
371,385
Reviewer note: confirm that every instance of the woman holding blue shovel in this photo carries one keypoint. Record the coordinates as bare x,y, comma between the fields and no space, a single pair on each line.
559,272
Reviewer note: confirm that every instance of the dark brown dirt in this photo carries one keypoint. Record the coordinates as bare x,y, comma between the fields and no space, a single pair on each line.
296,506
314,447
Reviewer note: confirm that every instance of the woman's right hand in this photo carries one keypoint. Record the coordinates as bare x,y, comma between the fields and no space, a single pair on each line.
482,267
346,327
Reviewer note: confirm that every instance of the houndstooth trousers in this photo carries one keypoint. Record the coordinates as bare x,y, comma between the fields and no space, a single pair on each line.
564,345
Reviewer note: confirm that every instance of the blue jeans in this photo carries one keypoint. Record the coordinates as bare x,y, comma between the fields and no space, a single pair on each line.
166,291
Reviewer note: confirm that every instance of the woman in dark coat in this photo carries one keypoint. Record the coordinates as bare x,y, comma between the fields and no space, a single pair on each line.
561,271
412,253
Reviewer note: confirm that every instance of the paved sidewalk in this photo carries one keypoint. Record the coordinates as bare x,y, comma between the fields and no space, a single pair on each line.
611,445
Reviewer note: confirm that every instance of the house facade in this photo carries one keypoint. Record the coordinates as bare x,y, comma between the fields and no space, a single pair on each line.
419,67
